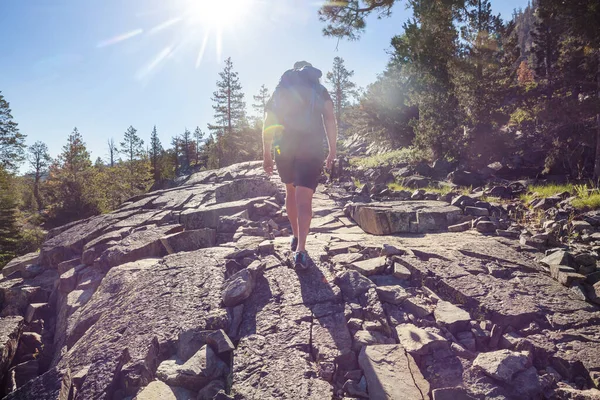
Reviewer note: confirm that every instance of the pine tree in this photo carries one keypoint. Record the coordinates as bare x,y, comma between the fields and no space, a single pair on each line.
156,151
132,145
341,87
260,105
187,149
9,229
176,143
68,185
39,160
12,142
230,115
198,136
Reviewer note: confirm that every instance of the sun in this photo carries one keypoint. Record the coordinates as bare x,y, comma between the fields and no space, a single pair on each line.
218,14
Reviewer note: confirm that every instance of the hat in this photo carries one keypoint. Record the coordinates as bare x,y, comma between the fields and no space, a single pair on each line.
302,64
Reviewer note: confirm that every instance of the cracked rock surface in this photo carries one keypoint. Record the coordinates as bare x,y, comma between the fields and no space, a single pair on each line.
189,293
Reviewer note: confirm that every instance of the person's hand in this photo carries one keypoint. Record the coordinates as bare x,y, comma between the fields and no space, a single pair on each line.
330,160
268,164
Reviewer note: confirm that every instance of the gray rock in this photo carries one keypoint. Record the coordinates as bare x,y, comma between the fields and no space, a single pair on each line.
465,226
220,342
527,384
418,306
467,339
563,258
419,341
451,393
508,233
452,317
346,258
210,391
391,373
392,294
20,263
502,364
353,284
486,227
369,267
10,333
386,218
387,250
477,211
401,272
195,373
238,288
158,390
364,338
52,385
189,240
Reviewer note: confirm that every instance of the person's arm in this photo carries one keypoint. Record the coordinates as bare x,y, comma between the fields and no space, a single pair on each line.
271,128
331,130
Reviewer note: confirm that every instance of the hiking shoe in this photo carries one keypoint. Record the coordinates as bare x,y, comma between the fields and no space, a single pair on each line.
301,260
294,243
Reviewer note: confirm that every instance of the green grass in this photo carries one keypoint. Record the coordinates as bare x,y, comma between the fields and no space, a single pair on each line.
543,191
439,190
591,202
393,157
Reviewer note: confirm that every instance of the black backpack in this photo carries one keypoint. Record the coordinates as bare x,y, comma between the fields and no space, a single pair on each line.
298,101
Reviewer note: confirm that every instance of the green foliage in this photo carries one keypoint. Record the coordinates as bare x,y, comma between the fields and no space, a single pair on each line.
12,142
341,88
9,229
406,155
591,202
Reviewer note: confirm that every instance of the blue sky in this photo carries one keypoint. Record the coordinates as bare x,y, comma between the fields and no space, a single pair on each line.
103,65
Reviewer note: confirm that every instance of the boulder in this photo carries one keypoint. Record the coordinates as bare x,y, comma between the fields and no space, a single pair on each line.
465,226
419,341
189,240
391,373
502,364
401,272
393,294
353,283
477,211
465,178
52,385
386,218
10,333
561,258
369,267
158,390
452,317
241,189
20,263
416,182
195,373
238,288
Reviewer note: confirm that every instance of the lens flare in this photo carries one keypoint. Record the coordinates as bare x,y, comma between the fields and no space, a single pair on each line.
119,38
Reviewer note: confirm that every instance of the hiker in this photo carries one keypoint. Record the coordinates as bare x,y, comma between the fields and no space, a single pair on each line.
299,117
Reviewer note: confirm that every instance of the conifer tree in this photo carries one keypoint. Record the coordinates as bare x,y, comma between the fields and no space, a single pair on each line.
156,151
12,142
261,99
341,87
230,115
9,229
112,151
198,136
39,160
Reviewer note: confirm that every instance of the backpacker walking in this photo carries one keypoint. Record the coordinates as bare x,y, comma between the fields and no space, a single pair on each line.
299,119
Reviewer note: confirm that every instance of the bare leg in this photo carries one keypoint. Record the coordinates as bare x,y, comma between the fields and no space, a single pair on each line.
304,203
291,208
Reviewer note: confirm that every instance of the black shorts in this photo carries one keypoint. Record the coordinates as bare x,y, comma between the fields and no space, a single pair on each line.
303,172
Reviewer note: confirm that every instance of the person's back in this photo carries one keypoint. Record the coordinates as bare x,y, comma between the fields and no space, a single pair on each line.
299,118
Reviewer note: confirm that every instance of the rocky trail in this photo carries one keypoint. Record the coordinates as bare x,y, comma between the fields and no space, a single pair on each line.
188,293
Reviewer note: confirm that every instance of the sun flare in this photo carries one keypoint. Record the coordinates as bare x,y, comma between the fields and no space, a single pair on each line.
218,14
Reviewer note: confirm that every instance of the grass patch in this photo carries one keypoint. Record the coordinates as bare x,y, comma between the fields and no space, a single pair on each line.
591,202
407,155
431,189
543,191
